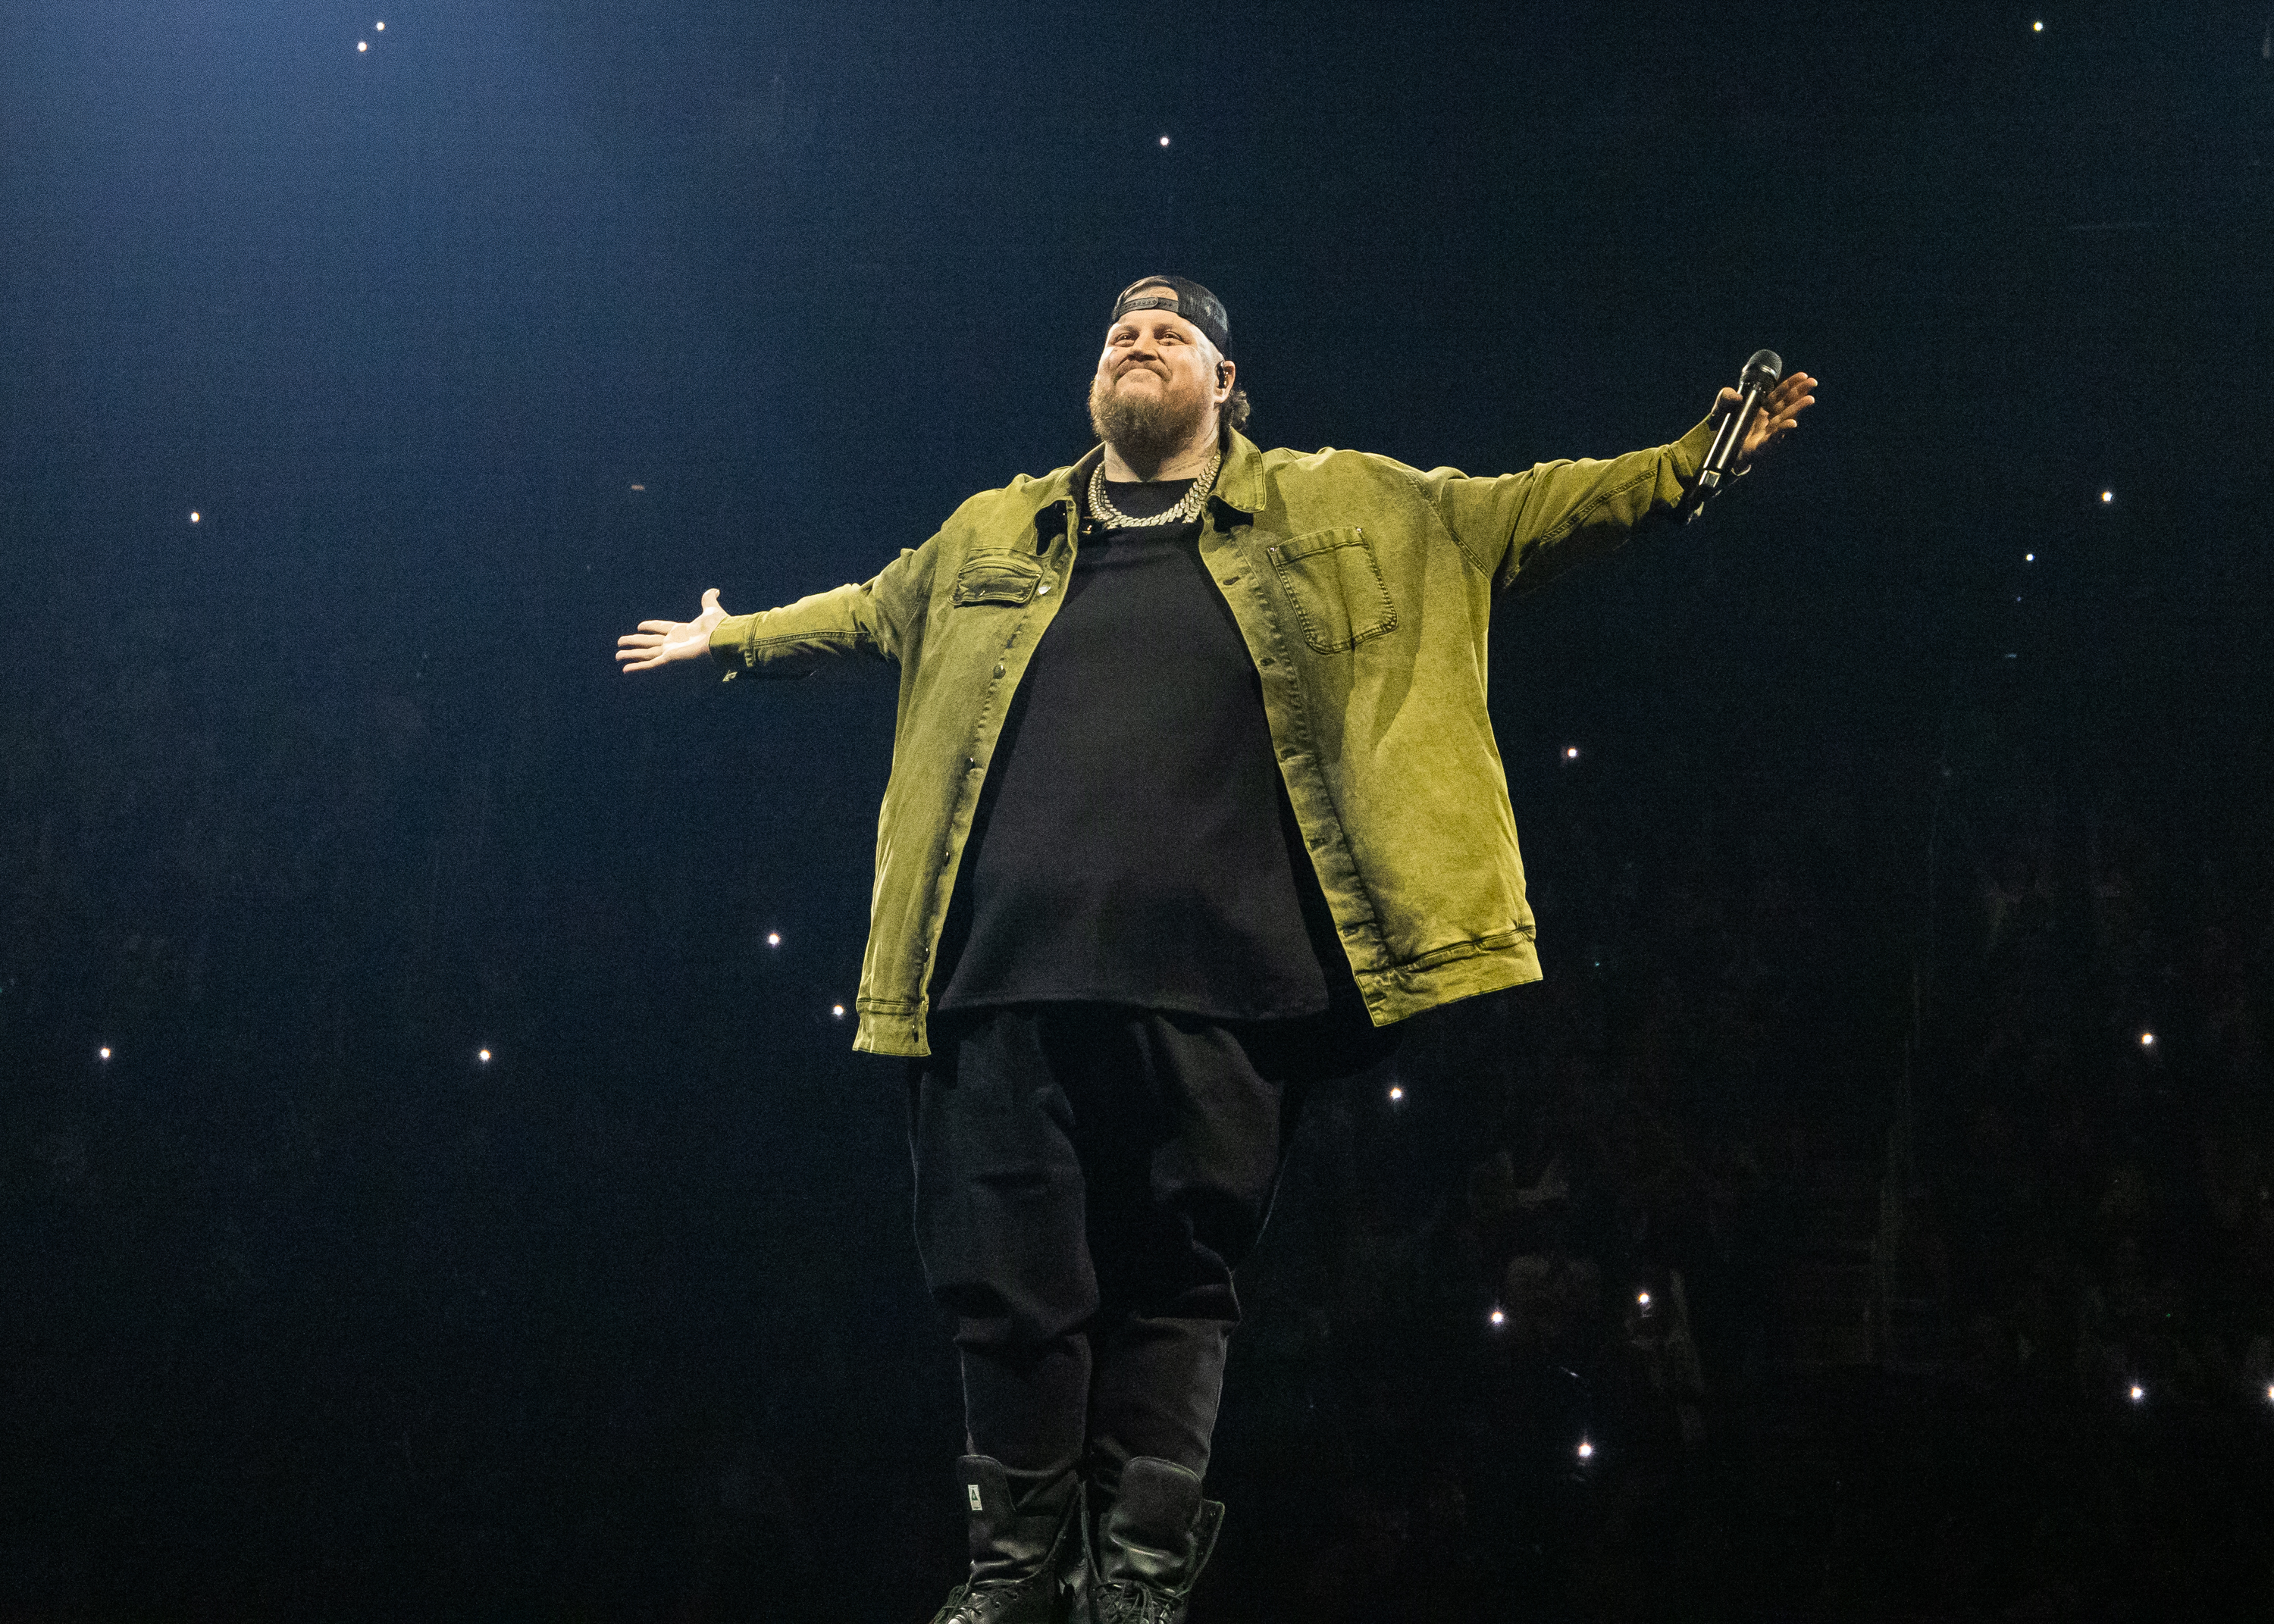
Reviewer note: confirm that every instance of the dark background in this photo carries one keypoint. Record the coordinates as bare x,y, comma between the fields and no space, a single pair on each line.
1883,848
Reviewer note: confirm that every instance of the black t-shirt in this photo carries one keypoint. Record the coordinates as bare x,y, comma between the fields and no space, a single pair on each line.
1133,844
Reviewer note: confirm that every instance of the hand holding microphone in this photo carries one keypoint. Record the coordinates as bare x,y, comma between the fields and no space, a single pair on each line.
1759,412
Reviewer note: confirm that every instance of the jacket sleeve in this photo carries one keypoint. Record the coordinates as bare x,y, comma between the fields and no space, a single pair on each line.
1523,528
870,619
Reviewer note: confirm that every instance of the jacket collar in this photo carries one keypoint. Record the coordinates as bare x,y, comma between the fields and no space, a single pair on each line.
1239,482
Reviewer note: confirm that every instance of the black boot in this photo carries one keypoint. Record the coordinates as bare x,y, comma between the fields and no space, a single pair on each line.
1151,1544
1025,1544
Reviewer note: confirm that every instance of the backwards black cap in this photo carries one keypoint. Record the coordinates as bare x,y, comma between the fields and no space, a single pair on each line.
1193,302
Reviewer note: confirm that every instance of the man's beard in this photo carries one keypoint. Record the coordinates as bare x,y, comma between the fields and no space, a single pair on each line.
1144,429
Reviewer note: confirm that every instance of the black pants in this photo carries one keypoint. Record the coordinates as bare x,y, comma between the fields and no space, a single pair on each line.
1088,1179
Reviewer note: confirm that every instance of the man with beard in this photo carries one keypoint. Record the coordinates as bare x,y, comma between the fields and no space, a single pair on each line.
1194,798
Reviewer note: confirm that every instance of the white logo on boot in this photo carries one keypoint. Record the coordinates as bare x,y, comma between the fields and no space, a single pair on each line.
972,1489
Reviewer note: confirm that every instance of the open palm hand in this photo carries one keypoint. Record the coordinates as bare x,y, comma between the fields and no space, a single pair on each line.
661,642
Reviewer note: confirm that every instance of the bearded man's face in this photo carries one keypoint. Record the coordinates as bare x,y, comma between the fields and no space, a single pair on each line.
1156,387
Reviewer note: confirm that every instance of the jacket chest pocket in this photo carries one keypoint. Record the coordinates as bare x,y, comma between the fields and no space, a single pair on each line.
997,578
1336,585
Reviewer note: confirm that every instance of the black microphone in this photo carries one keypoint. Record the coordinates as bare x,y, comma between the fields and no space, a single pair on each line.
1760,376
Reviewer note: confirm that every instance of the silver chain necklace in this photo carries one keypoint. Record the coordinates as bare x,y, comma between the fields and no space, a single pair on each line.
1103,510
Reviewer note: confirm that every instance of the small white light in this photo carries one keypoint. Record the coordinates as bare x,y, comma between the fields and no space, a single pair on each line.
380,27
2037,28
484,1057
2107,496
838,1010
2147,1040
1642,1299
194,516
103,1053
2270,1392
1164,141
1499,1316
773,938
1571,752
1396,1092
363,45
1586,1450
2029,558
2138,1392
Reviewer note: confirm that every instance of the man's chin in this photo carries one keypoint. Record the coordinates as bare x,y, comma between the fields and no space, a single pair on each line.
1142,426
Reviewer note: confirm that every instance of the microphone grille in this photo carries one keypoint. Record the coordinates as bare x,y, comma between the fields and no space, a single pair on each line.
1762,371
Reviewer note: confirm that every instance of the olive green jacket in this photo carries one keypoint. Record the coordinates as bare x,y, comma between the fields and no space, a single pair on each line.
1364,589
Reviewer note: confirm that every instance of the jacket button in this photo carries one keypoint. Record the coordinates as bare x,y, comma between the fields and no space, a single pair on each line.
999,671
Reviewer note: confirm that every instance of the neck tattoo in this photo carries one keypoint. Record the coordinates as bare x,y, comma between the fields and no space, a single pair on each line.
1103,510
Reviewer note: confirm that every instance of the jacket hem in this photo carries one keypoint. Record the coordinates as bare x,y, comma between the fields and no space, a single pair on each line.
1391,996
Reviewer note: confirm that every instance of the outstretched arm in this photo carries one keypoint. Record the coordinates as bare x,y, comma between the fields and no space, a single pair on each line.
1523,528
881,619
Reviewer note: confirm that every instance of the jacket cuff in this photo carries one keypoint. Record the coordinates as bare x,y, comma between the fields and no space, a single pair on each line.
726,644
1690,451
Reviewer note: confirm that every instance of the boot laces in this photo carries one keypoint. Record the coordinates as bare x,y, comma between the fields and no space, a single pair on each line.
982,1603
1130,1601
966,1604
